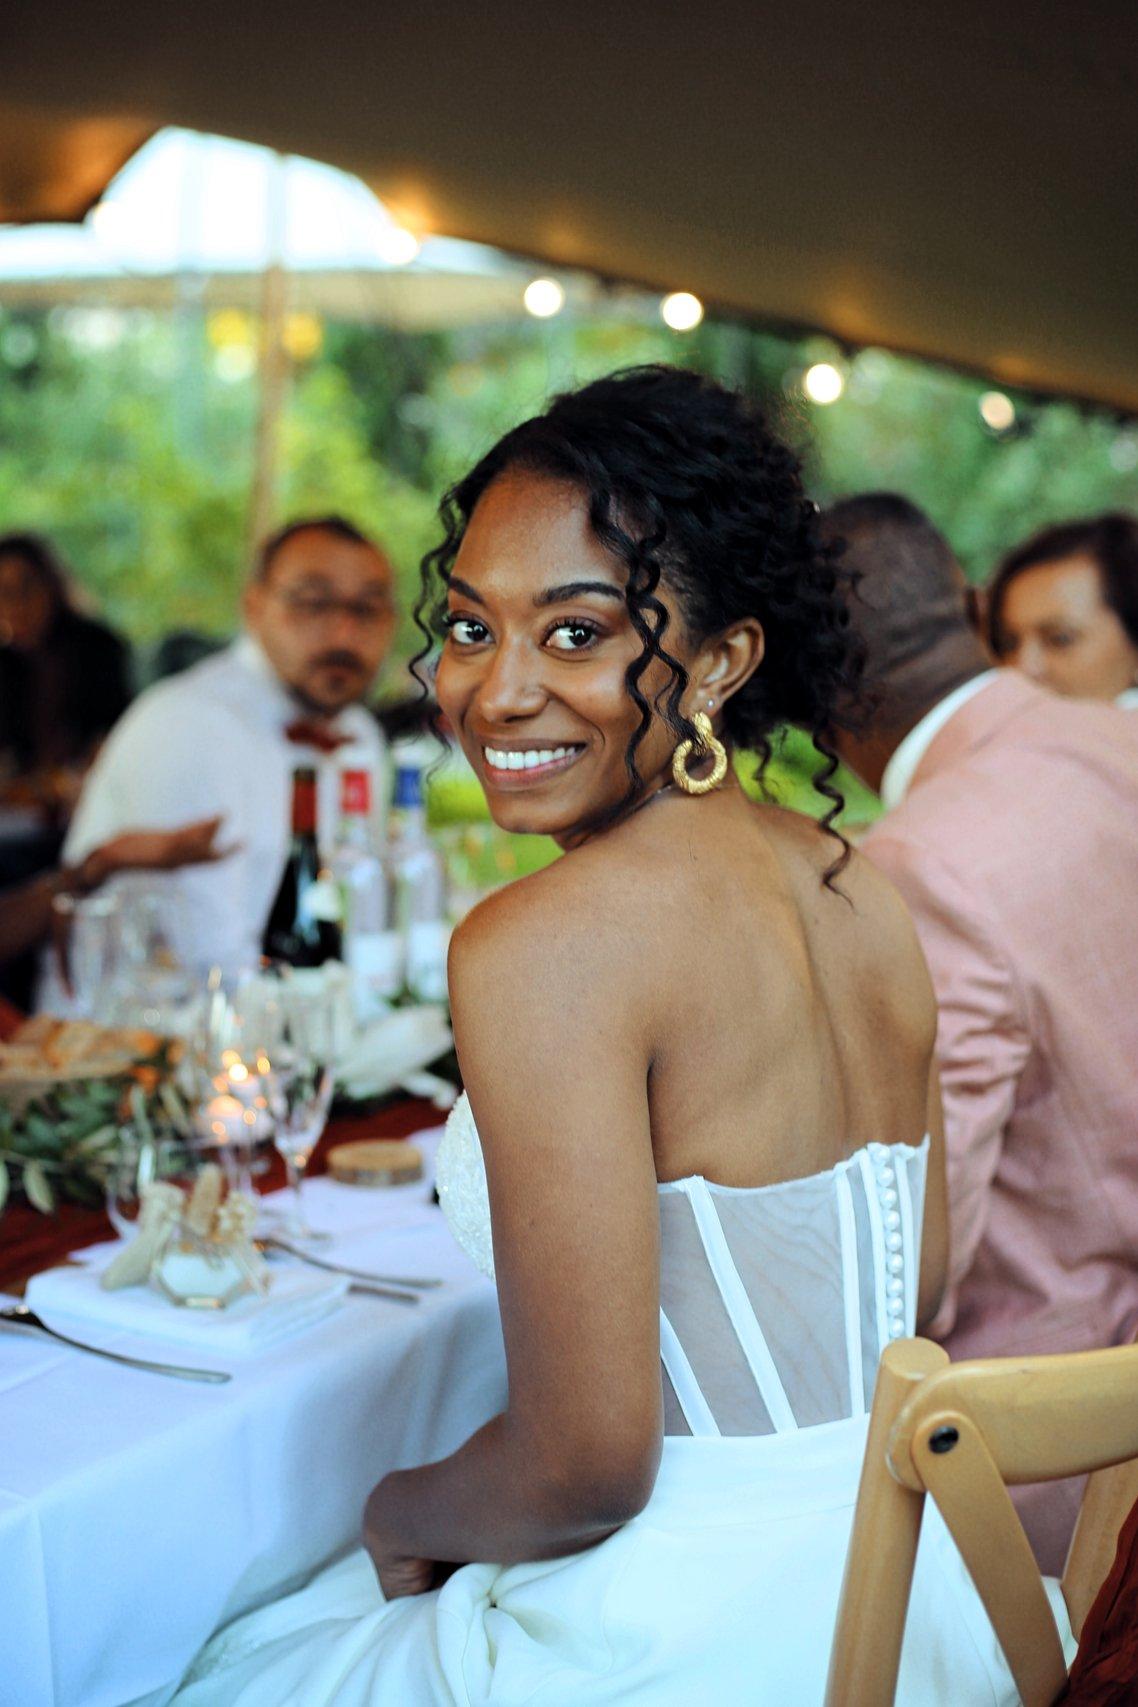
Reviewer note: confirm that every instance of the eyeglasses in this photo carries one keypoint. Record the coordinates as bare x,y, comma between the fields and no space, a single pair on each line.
318,607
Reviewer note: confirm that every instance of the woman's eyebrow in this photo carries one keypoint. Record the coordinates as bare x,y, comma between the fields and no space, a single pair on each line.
551,596
574,590
457,585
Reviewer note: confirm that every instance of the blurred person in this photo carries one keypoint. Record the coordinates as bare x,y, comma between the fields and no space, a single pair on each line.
26,909
1063,608
222,737
64,678
1012,832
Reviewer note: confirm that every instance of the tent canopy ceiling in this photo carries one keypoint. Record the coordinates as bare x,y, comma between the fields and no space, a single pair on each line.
957,181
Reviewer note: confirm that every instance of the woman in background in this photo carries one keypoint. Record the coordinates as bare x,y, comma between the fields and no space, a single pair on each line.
64,678
1063,608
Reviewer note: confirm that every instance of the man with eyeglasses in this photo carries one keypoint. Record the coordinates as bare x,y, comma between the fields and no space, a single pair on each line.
224,736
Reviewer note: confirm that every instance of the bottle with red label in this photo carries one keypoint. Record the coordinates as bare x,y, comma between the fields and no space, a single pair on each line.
372,942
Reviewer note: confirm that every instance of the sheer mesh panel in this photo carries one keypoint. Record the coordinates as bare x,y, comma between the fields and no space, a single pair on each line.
870,1336
808,1293
786,1248
692,1303
675,1421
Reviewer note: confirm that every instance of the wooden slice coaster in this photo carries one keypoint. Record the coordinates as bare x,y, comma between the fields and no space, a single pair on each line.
376,1161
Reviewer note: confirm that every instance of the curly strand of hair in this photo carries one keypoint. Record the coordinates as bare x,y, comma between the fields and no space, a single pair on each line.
823,785
434,578
650,619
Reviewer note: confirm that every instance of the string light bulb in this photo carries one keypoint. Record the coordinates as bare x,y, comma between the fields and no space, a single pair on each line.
997,411
543,298
823,383
398,246
681,311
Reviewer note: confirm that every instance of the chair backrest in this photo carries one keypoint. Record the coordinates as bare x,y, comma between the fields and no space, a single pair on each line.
962,1433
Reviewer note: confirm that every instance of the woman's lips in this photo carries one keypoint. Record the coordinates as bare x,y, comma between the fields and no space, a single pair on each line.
514,768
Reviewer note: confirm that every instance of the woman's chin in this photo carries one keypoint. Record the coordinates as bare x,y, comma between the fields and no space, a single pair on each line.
523,817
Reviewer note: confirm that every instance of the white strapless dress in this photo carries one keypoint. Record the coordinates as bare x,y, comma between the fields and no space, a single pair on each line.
775,1305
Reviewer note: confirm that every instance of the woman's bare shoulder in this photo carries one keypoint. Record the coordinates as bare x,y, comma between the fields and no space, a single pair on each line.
573,898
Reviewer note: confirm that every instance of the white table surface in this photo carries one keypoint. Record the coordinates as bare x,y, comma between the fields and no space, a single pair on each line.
138,1512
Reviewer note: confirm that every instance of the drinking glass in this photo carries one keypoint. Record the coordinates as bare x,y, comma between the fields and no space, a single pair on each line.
233,1075
88,944
152,986
301,1083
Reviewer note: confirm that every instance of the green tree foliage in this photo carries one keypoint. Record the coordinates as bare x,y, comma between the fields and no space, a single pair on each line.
128,439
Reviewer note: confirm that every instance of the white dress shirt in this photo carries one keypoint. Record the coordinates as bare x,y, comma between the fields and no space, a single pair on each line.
211,740
899,772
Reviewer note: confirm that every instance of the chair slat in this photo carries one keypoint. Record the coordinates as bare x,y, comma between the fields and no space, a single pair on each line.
883,1545
953,1460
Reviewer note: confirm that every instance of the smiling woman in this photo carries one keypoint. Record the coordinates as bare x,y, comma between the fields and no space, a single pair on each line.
1063,608
700,1146
675,556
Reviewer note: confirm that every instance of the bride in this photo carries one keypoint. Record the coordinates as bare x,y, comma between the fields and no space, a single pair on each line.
698,1052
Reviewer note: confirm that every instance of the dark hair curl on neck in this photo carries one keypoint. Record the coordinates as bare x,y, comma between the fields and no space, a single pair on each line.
687,485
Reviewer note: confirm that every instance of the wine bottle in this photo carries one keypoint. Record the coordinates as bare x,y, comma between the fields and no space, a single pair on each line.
304,923
372,946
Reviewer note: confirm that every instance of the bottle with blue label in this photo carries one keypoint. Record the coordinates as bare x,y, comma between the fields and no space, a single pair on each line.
373,946
421,890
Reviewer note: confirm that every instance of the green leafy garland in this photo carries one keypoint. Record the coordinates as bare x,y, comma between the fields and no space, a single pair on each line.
66,1142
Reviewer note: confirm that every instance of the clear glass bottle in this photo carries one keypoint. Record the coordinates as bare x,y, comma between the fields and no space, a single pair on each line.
421,890
373,947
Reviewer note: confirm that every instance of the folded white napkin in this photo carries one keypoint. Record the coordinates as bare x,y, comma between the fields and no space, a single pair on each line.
390,1050
71,1298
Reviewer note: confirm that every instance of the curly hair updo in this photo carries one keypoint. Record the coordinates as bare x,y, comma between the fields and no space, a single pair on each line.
687,486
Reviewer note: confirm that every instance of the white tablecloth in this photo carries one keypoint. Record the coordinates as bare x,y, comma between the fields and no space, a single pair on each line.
139,1512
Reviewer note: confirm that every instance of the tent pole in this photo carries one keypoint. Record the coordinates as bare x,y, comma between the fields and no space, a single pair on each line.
272,366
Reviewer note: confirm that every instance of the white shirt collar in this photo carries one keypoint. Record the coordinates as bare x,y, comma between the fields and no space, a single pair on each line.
1128,699
251,655
899,772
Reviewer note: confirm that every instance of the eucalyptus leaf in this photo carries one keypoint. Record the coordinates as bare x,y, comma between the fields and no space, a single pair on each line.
39,1192
101,1139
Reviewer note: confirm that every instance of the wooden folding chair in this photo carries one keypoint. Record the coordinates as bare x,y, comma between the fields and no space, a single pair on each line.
962,1432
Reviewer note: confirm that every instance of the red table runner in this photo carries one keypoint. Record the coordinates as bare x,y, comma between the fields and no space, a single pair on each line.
30,1241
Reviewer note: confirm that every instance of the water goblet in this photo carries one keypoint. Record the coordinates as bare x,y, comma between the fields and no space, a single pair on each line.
301,1082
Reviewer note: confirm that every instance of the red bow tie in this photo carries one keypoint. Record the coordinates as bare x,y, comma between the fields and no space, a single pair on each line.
305,733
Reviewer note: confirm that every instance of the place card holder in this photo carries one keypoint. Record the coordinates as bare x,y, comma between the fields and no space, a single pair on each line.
196,1248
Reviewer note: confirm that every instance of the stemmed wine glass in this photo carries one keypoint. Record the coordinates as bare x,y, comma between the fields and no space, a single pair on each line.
233,1071
305,1021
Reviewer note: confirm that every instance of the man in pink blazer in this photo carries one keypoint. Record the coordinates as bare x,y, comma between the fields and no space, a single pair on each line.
1012,832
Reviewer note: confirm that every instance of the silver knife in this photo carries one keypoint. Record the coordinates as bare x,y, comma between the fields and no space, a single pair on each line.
20,1316
270,1243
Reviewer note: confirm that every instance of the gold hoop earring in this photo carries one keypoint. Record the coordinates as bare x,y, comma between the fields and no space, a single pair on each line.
709,747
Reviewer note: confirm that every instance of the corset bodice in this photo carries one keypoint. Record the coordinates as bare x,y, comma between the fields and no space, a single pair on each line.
775,1301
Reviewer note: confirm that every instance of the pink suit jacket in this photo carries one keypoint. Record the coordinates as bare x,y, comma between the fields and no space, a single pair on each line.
1016,849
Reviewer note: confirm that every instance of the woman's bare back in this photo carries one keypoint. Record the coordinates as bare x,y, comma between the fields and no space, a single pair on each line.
789,1022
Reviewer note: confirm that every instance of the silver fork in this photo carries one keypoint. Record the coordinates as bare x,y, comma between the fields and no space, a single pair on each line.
20,1316
271,1243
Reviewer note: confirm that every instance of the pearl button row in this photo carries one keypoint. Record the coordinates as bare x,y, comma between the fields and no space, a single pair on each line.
886,1179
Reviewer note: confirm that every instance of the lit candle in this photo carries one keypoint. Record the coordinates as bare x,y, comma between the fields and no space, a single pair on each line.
222,1121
